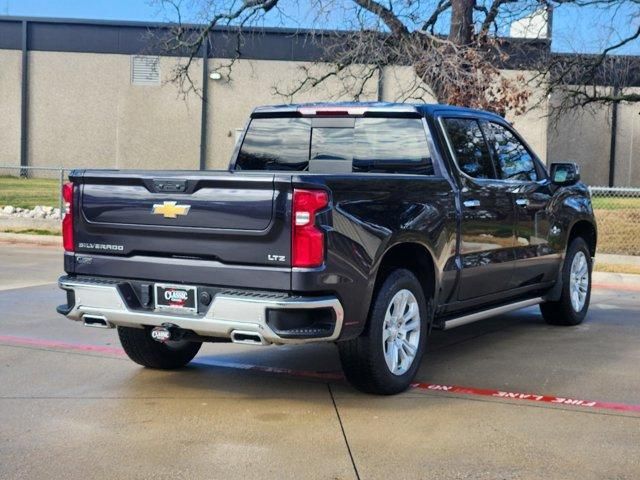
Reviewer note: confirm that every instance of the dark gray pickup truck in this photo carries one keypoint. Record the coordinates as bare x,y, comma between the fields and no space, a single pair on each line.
367,225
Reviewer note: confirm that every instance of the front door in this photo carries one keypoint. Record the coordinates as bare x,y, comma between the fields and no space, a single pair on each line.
530,188
488,216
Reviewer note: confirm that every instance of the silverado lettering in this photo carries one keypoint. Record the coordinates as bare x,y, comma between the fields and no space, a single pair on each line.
101,246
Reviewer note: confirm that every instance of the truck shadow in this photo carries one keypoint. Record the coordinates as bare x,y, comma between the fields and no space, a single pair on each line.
497,351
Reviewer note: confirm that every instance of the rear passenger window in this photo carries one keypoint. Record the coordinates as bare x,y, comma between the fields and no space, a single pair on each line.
325,145
469,146
391,144
514,160
275,144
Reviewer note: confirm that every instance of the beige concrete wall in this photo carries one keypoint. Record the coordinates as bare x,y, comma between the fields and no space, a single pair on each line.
531,125
84,112
583,136
401,84
10,98
627,170
252,84
158,126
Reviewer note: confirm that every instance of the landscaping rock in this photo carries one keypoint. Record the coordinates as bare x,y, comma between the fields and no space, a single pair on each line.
41,216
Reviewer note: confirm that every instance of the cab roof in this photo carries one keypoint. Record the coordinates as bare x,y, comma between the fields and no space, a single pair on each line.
360,108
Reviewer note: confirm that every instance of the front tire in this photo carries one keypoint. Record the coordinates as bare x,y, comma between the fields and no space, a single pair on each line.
574,300
145,351
386,357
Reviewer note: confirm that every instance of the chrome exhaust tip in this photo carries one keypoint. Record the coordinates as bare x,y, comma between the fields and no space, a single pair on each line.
248,338
96,321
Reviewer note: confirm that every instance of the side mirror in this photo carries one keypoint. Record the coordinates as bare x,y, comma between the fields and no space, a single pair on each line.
564,173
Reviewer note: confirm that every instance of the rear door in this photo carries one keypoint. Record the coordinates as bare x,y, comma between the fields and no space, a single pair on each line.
529,186
488,216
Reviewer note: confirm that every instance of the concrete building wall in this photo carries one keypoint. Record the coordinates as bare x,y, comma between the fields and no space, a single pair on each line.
532,125
84,112
583,137
10,99
73,109
253,83
627,169
158,127
401,84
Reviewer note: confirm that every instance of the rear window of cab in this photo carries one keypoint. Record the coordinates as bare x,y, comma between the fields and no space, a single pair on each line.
336,145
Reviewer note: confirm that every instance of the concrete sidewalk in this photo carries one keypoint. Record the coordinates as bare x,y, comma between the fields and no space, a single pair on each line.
27,239
611,259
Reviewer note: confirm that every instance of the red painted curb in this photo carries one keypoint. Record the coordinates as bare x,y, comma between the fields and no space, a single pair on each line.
431,387
530,397
617,286
34,342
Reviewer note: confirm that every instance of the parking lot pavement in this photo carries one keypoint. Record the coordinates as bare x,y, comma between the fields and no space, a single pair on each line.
71,405
28,265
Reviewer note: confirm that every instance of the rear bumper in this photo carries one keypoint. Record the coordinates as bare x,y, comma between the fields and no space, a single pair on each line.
232,314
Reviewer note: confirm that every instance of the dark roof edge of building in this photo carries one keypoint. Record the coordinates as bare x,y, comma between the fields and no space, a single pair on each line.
221,28
133,37
159,25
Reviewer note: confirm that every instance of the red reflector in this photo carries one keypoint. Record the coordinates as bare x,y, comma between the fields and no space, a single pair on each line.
307,245
67,217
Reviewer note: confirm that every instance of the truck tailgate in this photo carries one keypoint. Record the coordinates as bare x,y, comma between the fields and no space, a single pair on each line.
217,216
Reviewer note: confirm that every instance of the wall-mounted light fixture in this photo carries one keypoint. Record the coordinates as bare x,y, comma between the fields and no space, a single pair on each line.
215,76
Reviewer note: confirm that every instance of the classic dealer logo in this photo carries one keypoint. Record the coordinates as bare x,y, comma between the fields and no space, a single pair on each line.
176,297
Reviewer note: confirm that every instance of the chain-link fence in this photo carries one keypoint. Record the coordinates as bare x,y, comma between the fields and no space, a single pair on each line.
28,187
617,212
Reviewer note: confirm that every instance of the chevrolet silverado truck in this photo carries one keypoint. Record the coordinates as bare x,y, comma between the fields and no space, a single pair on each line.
364,224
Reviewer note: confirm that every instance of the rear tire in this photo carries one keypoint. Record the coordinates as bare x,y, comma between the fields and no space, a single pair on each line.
573,304
397,327
145,351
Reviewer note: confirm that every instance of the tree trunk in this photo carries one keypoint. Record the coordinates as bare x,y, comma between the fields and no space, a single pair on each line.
461,29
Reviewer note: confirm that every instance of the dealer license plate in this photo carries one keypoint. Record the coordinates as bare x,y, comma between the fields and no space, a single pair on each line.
176,297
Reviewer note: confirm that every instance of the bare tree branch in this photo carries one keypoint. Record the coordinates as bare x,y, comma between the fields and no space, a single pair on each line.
462,64
385,14
443,6
492,14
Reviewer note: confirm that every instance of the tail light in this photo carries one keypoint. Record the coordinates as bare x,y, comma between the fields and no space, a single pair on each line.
307,246
67,217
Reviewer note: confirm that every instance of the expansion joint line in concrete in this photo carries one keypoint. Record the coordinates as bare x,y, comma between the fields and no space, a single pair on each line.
344,435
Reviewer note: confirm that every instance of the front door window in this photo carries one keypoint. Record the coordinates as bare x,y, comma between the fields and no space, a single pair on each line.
514,162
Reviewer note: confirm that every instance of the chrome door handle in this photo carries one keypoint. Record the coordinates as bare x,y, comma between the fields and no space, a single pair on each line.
523,202
471,203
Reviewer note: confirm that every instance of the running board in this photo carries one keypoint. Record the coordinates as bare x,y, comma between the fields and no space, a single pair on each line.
474,317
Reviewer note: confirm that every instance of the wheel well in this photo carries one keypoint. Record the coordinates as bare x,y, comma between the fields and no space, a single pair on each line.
413,257
587,231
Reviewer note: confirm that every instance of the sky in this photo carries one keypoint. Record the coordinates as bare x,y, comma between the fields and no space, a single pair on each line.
584,30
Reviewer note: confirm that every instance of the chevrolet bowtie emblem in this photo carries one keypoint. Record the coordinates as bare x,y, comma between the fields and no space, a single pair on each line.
170,209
